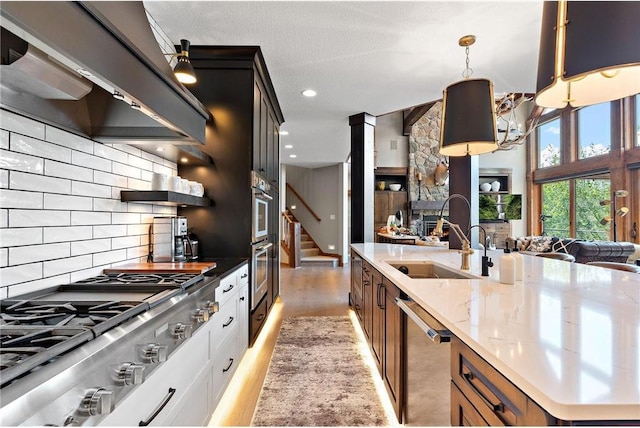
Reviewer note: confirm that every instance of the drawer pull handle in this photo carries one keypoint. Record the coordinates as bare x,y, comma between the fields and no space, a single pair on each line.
260,317
158,409
495,407
228,323
226,290
242,299
229,366
244,275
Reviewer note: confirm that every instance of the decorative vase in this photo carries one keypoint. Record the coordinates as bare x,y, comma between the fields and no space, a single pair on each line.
485,187
495,186
381,185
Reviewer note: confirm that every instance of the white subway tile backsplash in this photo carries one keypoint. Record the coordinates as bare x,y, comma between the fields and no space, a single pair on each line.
17,274
22,125
4,178
80,218
4,292
125,218
125,242
152,158
4,257
20,199
90,161
71,264
136,184
109,231
141,251
19,162
140,208
64,170
140,163
39,183
20,236
66,234
61,202
164,210
109,257
43,149
28,287
161,169
67,139
104,151
138,229
100,177
4,139
126,170
91,246
90,189
38,253
131,150
34,218
112,205
4,218
86,273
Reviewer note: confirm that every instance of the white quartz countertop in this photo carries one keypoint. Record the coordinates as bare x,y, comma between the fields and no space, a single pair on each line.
567,335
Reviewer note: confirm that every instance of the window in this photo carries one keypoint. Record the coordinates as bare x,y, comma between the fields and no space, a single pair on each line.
549,143
555,209
580,217
589,211
594,130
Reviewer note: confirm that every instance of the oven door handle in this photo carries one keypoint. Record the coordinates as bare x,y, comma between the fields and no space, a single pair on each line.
265,247
262,195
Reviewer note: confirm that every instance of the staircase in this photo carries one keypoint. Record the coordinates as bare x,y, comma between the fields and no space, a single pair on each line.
310,253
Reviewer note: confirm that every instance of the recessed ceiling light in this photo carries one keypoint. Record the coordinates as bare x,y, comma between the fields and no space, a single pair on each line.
289,146
309,93
293,156
184,160
284,133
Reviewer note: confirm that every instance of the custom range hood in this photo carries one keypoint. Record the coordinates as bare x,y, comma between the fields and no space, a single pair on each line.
63,62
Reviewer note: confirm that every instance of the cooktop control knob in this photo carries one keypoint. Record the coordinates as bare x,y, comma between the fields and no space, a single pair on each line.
131,374
97,401
200,315
154,353
180,331
212,307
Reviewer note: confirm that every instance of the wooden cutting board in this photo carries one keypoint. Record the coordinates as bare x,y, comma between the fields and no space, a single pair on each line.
188,267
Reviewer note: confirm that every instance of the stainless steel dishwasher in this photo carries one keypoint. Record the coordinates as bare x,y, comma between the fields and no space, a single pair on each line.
427,368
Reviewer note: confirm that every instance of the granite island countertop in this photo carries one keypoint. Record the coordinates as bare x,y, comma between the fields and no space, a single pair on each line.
567,335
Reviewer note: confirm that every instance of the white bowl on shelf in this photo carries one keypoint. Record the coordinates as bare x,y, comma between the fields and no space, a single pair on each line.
394,187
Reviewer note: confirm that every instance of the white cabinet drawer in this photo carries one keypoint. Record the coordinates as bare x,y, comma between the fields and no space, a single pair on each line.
222,324
177,373
227,289
243,275
223,364
194,409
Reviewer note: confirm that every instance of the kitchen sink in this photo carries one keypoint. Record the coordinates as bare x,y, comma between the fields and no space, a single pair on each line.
425,269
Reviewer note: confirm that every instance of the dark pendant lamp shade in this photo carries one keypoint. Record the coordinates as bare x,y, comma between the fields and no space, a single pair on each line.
468,119
184,70
592,59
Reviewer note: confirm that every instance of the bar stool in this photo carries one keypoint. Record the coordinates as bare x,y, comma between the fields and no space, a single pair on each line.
618,266
558,256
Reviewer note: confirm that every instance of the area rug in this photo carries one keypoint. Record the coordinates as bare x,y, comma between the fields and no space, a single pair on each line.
317,377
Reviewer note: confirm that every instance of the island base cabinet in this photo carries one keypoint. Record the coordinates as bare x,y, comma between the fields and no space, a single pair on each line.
493,396
462,411
194,409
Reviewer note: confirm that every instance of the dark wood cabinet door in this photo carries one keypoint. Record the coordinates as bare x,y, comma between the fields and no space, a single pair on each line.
264,136
367,298
377,320
257,125
393,347
356,285
462,412
273,152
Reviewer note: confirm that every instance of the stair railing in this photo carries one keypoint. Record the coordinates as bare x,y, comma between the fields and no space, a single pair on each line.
292,231
301,199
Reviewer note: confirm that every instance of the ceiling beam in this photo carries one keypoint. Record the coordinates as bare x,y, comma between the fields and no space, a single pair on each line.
411,116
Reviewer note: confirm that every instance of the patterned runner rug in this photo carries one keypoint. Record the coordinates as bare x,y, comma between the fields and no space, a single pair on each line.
317,377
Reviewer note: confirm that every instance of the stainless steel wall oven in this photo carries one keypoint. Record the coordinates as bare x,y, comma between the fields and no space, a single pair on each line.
260,245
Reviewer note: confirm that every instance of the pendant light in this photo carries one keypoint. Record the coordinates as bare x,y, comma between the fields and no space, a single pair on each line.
589,52
184,70
468,114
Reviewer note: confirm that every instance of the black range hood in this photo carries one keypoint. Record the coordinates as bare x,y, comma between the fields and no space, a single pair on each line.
68,49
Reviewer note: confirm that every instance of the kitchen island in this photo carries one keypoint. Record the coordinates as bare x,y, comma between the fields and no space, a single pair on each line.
566,336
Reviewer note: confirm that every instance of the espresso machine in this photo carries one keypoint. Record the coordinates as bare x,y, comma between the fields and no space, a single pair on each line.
168,239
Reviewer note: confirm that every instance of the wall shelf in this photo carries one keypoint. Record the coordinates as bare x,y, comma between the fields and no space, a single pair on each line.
163,197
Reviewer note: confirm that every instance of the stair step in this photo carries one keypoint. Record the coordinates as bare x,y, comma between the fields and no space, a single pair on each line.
306,244
304,237
309,252
319,261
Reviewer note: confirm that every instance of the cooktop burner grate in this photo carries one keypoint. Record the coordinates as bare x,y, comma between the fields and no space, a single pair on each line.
181,278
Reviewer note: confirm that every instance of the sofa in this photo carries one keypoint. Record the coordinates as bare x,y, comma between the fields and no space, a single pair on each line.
583,251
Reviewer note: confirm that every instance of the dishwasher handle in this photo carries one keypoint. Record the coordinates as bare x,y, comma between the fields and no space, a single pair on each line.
437,334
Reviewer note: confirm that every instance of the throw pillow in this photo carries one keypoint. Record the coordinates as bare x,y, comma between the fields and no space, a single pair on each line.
540,244
562,245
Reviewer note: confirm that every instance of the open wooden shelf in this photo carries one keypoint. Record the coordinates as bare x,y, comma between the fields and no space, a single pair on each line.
163,197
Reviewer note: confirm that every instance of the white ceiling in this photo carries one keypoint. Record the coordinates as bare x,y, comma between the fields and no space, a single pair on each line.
374,57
